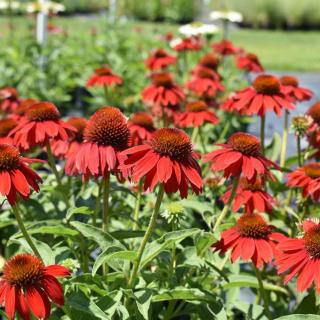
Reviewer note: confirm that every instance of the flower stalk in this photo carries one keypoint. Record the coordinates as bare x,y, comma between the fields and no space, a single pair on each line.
284,139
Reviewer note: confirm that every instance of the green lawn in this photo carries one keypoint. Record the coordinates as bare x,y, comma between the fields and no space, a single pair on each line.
278,50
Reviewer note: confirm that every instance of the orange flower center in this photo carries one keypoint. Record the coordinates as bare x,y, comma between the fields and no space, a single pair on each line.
314,112
23,270
6,125
24,106
107,127
103,71
289,81
43,111
171,142
204,73
253,226
252,186
8,93
142,119
245,143
312,241
9,157
196,106
79,124
266,84
252,57
312,170
210,61
162,80
160,53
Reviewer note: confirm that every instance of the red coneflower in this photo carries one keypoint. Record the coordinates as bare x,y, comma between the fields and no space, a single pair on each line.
141,128
205,82
210,61
167,159
171,112
290,87
22,108
251,195
224,47
249,62
250,239
196,114
27,285
307,178
9,99
104,77
16,177
163,91
159,59
187,44
241,155
6,125
264,95
314,112
40,124
65,148
106,134
300,256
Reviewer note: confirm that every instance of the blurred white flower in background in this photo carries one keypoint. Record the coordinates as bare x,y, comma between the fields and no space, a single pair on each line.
198,28
232,16
49,7
174,42
5,5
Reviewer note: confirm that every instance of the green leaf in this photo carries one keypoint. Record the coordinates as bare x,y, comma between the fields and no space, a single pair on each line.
204,241
81,210
57,230
251,282
166,241
102,239
251,311
299,317
143,301
127,234
197,206
184,294
113,253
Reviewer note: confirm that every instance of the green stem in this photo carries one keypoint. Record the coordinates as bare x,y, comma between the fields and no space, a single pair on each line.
52,164
204,149
262,131
146,237
224,131
137,207
106,193
194,135
284,139
97,206
299,150
263,293
228,206
24,231
106,94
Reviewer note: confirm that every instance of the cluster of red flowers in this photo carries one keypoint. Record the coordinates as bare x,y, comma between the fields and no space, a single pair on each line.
138,149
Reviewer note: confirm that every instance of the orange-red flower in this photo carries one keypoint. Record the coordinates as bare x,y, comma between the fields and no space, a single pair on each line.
27,286
307,178
141,128
6,125
196,114
241,155
16,177
300,257
65,148
9,99
250,239
159,59
41,124
205,82
290,87
249,62
163,91
167,159
210,61
188,44
106,134
22,108
224,47
104,76
264,95
252,196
